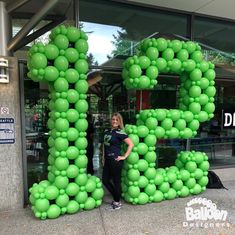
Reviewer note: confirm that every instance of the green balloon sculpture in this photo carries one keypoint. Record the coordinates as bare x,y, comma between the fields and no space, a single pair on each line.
141,181
63,64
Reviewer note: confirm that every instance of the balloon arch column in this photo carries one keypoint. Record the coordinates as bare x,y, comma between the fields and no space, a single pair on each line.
63,64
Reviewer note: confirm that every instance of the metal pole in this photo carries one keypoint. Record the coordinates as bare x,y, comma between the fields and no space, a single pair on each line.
76,12
23,135
5,30
16,4
31,24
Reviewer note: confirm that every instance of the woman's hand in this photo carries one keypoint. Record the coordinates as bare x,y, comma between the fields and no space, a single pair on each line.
120,158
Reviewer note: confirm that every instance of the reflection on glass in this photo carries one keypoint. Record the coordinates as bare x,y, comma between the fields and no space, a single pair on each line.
36,116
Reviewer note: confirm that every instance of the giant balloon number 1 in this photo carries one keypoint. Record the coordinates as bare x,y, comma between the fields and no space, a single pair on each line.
62,63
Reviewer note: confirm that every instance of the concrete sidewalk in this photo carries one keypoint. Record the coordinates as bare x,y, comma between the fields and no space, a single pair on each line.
166,217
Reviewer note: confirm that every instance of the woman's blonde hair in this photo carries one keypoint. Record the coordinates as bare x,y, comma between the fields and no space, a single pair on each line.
119,116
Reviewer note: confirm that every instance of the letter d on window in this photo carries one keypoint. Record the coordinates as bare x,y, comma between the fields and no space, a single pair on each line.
228,119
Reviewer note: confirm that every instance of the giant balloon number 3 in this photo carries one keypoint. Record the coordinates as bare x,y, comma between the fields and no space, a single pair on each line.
141,181
62,63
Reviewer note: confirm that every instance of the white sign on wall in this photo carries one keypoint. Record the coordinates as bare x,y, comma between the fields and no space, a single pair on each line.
7,131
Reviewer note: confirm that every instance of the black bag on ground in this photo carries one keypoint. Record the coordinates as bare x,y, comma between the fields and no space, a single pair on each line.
214,181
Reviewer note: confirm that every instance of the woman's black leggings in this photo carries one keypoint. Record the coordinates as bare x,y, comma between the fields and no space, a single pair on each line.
112,177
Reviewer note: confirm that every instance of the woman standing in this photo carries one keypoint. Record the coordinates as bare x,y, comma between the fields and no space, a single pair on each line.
113,161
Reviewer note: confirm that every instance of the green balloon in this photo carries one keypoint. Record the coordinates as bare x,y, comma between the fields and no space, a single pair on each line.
90,185
176,45
98,194
53,211
134,191
143,198
158,179
190,183
133,175
81,125
61,41
168,54
158,196
210,91
161,64
81,197
142,165
191,166
39,61
51,192
134,138
81,86
142,131
81,66
191,46
184,192
51,51
72,96
61,63
152,72
71,55
135,71
151,123
209,108
210,74
150,173
81,161
196,75
178,185
150,189
160,132
72,115
164,187
81,179
42,205
171,194
71,75
61,85
61,124
81,106
142,148
142,182
144,62
185,175
72,152
150,157
72,207
133,158
204,166
73,34
61,163
182,55
150,140
90,203
152,53
197,56
203,181
61,144
51,73
62,200
81,46
161,44
144,82
167,124
72,189
195,91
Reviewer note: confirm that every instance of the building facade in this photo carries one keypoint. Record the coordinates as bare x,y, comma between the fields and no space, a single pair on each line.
115,29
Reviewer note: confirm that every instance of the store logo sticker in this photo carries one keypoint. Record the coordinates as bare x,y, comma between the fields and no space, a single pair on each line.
201,212
4,110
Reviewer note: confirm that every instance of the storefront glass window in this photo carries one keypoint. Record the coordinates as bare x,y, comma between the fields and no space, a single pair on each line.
115,29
